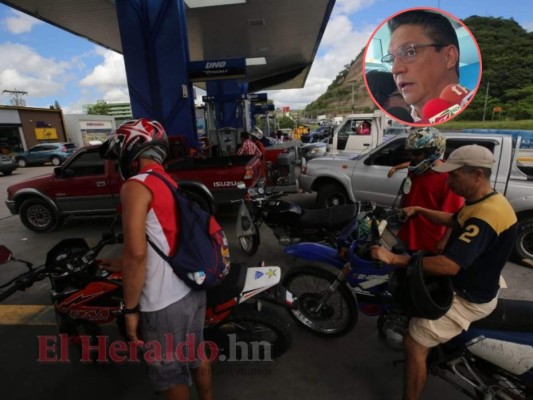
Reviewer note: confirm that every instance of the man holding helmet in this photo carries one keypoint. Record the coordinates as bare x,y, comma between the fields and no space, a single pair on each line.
155,299
483,235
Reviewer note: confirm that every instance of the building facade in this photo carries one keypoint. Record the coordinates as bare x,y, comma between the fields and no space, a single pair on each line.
23,127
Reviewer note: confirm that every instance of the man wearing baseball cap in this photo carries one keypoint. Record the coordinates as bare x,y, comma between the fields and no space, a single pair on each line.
484,232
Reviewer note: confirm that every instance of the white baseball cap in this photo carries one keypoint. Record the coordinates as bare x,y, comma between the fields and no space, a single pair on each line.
472,155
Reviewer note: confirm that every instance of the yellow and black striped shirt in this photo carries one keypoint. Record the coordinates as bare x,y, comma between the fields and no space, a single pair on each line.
481,243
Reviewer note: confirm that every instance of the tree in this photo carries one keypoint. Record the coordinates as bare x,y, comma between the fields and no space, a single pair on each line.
100,108
286,122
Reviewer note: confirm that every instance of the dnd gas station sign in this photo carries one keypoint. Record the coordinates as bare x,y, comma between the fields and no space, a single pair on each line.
217,69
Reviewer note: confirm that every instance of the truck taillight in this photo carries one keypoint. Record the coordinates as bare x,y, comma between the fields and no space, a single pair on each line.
248,173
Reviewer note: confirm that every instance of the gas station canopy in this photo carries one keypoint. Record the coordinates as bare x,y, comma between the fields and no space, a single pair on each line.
279,38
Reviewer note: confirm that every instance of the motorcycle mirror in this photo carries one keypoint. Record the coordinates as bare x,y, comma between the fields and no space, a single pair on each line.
5,254
405,188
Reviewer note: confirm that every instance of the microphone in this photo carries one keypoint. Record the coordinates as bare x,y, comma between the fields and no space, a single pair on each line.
467,99
450,101
434,107
454,93
400,113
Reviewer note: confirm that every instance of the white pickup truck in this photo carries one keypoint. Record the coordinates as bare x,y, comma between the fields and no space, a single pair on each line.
340,180
347,138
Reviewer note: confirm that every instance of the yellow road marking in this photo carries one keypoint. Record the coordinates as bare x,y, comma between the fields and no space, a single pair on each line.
26,315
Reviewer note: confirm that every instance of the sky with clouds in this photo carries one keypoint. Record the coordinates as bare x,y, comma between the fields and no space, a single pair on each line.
54,65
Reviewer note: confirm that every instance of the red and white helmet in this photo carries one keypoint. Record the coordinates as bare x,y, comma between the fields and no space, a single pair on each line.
133,138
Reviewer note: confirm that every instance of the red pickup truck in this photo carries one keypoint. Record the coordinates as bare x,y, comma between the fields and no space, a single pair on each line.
87,185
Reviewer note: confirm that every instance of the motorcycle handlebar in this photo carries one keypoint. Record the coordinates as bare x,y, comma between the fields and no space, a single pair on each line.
26,279
22,282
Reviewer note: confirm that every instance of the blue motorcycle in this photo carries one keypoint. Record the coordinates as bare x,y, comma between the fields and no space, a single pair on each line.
492,360
329,302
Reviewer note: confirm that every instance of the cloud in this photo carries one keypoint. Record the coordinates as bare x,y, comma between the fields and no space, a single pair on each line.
20,23
340,45
108,79
350,6
528,26
23,69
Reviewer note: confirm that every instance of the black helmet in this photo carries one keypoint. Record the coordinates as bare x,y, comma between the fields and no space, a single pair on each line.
421,295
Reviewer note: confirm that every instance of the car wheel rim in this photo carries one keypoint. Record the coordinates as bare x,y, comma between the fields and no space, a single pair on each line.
39,216
526,243
336,201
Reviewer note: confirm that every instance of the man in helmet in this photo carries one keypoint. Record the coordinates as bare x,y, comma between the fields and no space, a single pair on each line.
428,189
156,302
484,232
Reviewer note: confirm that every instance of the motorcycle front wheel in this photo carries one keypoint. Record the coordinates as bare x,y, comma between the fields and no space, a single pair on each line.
249,243
251,335
311,285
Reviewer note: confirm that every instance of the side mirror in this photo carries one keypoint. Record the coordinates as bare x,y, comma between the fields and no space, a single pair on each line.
5,254
405,188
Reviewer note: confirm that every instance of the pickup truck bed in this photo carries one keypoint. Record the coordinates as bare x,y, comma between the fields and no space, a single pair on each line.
219,174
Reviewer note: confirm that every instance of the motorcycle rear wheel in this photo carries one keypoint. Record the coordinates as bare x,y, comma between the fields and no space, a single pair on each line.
259,335
309,284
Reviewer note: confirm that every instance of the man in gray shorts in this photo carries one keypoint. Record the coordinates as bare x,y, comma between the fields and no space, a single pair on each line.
483,235
170,315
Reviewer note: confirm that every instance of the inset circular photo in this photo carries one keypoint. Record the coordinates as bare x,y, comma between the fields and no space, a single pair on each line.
422,66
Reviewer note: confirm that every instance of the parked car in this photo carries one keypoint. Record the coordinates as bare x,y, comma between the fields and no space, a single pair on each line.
318,135
314,150
43,153
343,180
88,185
7,164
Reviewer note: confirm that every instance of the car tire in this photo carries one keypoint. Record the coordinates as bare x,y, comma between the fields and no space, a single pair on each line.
38,215
56,161
523,250
331,195
22,163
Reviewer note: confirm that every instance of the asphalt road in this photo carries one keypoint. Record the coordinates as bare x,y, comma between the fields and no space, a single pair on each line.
355,366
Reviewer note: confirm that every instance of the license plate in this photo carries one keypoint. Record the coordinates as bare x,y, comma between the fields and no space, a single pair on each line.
5,162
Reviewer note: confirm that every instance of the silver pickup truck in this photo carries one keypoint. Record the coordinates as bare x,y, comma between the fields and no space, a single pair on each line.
341,180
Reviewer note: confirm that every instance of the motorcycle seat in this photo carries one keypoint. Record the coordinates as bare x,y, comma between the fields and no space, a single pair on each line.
230,287
331,218
509,315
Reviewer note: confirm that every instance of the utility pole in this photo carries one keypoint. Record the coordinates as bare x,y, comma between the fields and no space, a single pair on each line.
16,97
486,99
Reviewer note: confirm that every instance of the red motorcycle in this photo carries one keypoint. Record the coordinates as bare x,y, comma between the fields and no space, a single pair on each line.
86,297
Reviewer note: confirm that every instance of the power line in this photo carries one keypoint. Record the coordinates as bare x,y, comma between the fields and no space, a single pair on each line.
16,97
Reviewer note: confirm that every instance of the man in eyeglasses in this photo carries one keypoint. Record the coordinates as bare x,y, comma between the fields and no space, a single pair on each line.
423,55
